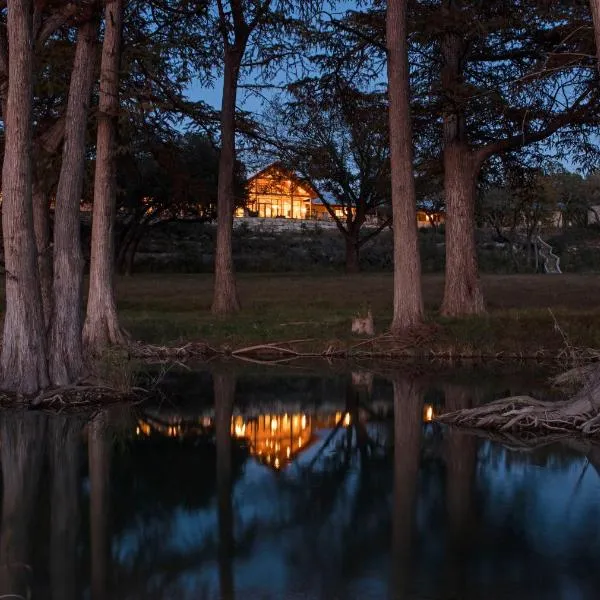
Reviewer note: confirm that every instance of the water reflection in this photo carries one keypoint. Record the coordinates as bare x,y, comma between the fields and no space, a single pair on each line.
377,501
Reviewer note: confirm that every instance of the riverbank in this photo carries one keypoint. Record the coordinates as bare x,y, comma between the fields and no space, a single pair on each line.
530,316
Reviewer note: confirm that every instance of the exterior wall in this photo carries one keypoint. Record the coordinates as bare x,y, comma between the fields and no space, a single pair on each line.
272,193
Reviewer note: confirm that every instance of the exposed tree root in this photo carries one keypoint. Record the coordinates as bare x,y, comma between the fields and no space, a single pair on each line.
525,415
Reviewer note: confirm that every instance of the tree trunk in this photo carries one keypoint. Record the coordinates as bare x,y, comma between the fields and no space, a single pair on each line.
595,8
408,410
408,299
24,352
45,150
101,327
352,253
43,240
99,469
224,394
66,351
462,294
225,298
131,251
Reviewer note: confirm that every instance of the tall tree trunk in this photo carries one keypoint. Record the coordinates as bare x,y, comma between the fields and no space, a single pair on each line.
101,327
462,295
43,240
66,351
99,469
24,352
225,298
65,444
408,298
352,253
595,8
224,394
408,410
45,149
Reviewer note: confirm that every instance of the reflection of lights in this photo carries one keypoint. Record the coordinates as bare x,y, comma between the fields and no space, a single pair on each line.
274,425
268,458
299,442
288,451
137,431
347,419
338,417
303,421
276,463
240,430
428,413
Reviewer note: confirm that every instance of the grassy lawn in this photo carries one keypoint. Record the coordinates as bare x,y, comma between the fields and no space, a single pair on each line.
176,308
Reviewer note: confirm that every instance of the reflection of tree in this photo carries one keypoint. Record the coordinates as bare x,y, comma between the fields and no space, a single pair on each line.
64,448
461,454
337,505
408,410
224,392
22,438
99,463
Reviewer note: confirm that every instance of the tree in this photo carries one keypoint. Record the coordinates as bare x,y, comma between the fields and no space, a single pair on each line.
101,326
595,8
408,298
258,28
167,180
235,30
335,137
530,70
66,352
521,77
24,349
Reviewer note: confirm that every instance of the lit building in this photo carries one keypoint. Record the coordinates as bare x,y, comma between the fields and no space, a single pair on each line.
276,192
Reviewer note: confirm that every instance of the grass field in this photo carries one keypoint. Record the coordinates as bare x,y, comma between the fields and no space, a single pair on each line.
176,308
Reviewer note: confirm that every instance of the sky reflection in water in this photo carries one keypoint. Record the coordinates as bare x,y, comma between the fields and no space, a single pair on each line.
294,488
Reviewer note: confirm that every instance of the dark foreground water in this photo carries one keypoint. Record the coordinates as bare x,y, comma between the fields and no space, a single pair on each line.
299,485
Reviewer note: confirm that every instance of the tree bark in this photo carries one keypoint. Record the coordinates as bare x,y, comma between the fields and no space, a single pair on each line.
24,351
43,240
66,349
462,295
225,298
224,394
408,299
595,8
352,253
101,327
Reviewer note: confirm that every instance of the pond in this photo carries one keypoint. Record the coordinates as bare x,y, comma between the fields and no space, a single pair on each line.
297,483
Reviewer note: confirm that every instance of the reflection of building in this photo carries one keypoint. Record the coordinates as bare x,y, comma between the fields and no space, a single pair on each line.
273,439
277,439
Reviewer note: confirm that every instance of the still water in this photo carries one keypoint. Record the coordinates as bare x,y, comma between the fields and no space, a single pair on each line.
295,484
